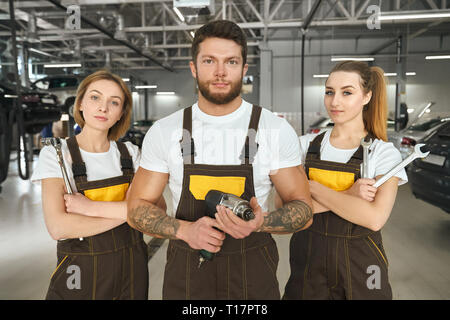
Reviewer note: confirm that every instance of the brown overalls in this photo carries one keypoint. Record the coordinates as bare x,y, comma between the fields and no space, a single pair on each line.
244,268
111,265
334,258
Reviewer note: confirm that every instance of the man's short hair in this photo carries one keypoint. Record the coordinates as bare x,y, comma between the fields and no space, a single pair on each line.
223,29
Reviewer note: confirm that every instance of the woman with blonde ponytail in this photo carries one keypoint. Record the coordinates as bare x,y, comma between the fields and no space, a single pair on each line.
341,255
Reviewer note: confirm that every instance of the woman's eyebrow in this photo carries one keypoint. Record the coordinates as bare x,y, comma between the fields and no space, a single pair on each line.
102,94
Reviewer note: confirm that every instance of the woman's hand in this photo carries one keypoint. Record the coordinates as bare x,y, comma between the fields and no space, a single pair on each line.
77,203
363,189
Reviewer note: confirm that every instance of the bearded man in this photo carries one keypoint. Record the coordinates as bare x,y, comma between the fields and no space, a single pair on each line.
220,143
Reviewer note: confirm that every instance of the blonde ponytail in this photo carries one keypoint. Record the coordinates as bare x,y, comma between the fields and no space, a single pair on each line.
375,112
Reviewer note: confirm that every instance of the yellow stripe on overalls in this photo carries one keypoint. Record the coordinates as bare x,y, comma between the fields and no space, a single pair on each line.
111,193
200,185
336,180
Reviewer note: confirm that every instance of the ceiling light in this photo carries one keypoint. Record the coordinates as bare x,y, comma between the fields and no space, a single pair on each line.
437,57
165,93
394,74
352,59
146,87
126,79
320,76
415,16
178,14
63,65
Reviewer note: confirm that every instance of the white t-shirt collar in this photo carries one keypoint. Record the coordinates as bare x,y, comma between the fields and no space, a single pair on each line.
220,119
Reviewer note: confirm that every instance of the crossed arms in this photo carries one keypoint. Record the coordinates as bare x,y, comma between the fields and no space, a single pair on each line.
144,215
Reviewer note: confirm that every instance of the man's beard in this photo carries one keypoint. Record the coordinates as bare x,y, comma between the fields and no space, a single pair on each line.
219,98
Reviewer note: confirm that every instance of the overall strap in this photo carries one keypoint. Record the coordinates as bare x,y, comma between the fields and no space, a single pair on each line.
78,165
251,147
313,151
126,161
187,142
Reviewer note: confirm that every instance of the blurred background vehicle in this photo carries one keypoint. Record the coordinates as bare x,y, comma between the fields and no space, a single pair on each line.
137,132
142,125
430,177
322,123
422,123
39,108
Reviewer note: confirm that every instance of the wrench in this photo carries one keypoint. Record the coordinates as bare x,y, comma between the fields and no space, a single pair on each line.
365,169
417,153
56,143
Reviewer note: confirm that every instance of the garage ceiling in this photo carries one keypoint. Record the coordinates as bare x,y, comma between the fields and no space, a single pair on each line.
148,34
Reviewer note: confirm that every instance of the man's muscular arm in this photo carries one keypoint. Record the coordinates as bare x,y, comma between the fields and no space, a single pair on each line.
145,215
295,215
152,220
291,217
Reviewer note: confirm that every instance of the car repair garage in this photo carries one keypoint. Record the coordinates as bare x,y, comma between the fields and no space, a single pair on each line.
74,71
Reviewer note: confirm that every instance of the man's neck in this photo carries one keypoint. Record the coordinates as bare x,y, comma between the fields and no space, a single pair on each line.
213,109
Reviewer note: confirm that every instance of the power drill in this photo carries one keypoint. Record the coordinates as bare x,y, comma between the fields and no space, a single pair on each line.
238,206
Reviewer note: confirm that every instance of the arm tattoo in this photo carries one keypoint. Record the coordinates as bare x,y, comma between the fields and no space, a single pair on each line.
152,219
292,217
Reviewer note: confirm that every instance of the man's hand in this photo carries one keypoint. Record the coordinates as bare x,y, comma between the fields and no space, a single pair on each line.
363,189
77,203
202,234
237,227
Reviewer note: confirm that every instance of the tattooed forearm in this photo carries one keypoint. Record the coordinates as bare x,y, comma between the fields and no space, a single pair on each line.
153,220
292,217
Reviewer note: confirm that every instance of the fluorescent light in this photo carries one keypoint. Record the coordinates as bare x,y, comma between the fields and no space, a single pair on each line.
320,76
146,87
415,16
394,74
437,57
178,13
63,65
126,79
352,59
165,93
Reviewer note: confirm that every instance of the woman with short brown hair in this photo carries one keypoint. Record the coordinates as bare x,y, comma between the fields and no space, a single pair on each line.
99,255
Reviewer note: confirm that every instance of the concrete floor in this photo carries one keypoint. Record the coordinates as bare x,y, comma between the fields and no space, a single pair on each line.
416,240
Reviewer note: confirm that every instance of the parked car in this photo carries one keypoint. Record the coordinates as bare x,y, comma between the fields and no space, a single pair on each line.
142,125
430,177
136,137
405,140
39,108
322,123
64,87
137,132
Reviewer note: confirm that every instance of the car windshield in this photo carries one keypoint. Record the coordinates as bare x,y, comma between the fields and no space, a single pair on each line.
425,125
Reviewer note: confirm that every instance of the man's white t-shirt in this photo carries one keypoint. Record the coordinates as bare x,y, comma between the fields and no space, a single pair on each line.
99,166
219,141
383,156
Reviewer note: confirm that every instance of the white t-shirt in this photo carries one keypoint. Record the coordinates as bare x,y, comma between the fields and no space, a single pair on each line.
383,156
99,166
219,141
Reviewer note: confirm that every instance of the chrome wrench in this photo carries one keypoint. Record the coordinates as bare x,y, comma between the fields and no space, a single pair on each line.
365,169
56,143
417,153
